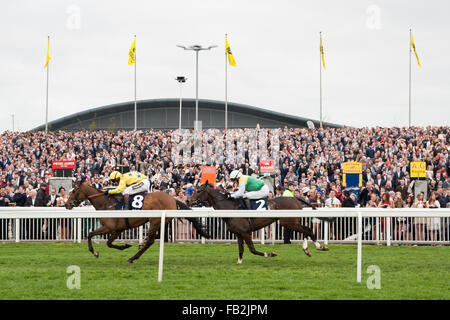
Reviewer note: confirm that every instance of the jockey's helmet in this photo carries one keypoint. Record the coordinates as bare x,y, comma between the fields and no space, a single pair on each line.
115,175
235,174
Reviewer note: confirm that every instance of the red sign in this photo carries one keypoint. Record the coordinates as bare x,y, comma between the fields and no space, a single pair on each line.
267,166
64,164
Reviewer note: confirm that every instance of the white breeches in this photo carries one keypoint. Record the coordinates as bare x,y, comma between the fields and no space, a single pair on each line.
261,193
139,187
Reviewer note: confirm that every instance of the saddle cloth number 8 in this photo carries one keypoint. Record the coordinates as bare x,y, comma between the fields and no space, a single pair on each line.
138,202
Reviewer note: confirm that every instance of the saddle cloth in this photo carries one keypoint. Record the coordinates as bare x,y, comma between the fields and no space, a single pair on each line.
258,204
137,201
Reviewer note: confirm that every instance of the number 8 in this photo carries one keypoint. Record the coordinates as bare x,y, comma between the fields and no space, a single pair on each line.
137,202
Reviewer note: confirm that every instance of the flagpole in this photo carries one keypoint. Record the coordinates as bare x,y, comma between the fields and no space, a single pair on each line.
135,104
320,77
410,45
226,89
46,99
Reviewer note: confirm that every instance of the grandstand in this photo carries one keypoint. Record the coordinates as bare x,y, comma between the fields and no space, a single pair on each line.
164,114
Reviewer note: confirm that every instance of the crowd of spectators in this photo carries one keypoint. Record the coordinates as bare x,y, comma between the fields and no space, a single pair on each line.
310,163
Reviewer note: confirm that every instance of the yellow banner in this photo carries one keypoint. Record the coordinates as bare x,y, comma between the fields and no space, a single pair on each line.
131,53
48,54
322,53
352,167
418,169
231,60
414,47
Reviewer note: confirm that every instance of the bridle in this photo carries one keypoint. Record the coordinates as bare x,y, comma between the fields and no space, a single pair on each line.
197,200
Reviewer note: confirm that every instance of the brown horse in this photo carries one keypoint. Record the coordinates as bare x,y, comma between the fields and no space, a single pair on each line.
244,227
114,226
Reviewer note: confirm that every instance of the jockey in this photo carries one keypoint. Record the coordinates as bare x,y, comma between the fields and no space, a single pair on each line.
129,183
249,188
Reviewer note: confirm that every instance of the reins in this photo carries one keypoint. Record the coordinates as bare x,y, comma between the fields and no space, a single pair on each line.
95,195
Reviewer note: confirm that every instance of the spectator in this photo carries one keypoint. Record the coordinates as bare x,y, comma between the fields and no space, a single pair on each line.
385,202
433,224
420,223
5,200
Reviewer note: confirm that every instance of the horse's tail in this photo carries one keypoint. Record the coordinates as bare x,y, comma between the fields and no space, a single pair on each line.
196,222
315,208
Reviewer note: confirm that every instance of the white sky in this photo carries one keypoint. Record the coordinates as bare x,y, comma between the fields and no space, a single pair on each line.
275,44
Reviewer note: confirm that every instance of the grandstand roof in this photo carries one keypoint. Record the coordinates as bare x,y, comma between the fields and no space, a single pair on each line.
164,114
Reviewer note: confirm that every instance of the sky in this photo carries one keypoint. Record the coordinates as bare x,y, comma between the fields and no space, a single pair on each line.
275,45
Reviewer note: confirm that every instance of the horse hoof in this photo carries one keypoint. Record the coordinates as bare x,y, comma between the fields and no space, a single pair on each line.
324,248
273,254
96,254
239,261
130,261
307,252
127,246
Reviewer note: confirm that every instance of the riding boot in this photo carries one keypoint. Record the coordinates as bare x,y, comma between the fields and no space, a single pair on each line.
248,204
126,202
241,203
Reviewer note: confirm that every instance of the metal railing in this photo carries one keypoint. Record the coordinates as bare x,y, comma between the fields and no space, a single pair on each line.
31,213
402,230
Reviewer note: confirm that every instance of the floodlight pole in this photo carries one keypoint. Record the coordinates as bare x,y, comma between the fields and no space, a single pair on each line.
409,109
196,48
181,80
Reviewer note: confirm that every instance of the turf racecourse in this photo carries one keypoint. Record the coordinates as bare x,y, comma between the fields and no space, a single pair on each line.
195,271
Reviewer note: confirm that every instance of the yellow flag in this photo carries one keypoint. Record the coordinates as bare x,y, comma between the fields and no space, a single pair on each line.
231,60
321,52
48,54
414,47
131,53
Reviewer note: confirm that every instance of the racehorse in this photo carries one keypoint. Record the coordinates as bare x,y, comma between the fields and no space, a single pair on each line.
114,226
244,227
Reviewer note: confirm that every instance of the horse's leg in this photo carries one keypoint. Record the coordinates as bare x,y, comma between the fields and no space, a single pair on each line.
113,237
241,248
294,224
99,231
149,240
248,240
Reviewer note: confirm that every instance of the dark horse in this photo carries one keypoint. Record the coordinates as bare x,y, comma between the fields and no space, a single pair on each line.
244,227
114,226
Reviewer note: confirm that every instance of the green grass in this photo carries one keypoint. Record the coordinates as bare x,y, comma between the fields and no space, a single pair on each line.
195,271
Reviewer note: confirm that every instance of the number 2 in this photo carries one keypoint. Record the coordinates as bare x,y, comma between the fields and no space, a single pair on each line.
261,205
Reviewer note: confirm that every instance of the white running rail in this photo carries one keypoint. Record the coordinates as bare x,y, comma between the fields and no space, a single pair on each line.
18,213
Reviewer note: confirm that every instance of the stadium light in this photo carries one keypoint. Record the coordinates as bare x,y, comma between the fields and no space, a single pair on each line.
181,80
196,48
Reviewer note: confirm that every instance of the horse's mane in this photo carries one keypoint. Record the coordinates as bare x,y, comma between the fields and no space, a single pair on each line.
216,193
90,186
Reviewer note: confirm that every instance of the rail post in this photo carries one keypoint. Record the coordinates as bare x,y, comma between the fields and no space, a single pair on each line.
359,256
325,232
161,246
203,223
140,235
17,228
263,235
388,231
272,232
79,222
